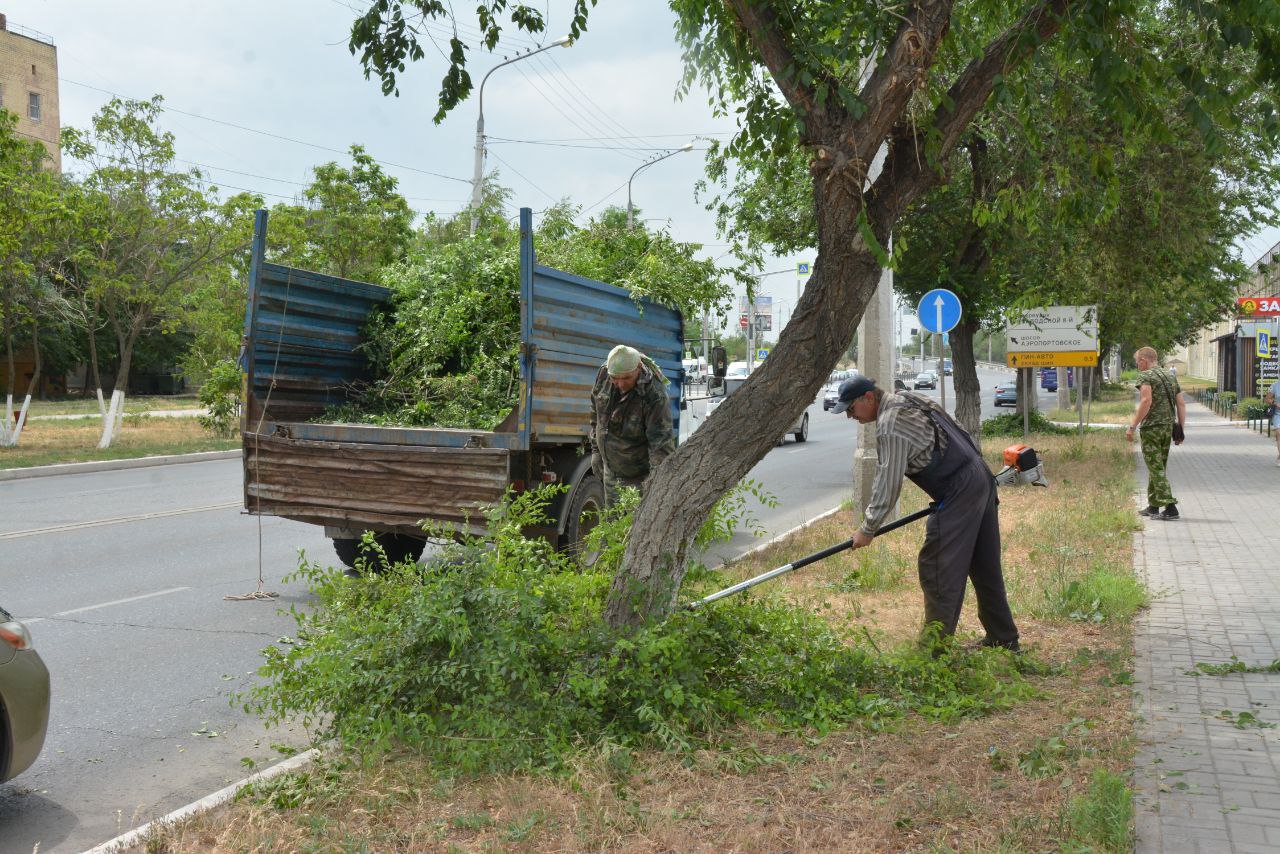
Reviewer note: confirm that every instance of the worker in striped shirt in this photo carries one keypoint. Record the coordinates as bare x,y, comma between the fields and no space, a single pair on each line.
917,439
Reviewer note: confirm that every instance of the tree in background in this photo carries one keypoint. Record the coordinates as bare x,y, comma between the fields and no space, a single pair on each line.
153,229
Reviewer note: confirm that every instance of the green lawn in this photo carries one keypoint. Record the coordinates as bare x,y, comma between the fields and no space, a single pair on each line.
73,441
89,405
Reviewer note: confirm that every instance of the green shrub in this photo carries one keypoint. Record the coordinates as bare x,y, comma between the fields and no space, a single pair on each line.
1251,407
1102,819
220,396
1010,424
496,658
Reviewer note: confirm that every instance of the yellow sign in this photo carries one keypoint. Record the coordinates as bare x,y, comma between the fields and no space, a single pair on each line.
1061,359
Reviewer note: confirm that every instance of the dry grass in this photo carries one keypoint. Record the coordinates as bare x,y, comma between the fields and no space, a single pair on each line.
76,440
132,404
918,786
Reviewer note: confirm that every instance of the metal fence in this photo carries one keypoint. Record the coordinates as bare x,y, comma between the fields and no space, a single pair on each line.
1227,405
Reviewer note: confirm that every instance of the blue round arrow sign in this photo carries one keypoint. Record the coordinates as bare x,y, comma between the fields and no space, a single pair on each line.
939,310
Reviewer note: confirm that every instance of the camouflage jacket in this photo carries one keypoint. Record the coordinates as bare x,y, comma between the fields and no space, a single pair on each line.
1164,391
632,432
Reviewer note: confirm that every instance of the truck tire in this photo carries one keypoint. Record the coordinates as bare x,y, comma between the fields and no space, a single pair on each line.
802,435
399,548
585,508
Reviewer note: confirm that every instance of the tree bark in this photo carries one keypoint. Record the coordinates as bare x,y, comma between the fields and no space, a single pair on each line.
965,378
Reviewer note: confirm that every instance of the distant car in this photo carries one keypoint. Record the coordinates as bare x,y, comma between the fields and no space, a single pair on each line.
800,429
830,396
737,369
24,699
1006,393
925,379
946,366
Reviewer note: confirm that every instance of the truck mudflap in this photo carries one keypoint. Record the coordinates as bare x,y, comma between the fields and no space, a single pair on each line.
375,486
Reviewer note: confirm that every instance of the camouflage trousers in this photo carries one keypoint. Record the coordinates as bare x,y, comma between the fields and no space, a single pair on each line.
1156,440
613,486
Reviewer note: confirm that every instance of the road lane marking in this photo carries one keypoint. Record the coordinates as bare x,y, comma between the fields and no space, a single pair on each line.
106,604
76,526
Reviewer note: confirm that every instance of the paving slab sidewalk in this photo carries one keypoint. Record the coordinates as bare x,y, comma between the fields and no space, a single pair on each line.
1207,779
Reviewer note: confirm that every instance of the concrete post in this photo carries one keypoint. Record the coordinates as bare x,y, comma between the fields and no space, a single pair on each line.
875,360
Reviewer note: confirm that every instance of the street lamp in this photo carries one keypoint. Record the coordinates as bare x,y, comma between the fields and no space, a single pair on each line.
477,178
688,146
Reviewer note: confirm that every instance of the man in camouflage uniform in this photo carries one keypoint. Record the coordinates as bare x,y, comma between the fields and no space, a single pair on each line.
631,429
1160,406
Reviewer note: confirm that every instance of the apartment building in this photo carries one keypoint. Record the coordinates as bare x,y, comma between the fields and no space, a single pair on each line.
29,84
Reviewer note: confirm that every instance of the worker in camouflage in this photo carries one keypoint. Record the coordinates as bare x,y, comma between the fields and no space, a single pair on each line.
1160,407
631,431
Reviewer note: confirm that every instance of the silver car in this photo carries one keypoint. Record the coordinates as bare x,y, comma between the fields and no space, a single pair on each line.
24,698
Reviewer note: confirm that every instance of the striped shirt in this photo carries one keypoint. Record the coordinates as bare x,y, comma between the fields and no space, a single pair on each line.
905,437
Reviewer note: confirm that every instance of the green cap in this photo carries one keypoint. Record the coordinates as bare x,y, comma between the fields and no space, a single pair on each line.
622,360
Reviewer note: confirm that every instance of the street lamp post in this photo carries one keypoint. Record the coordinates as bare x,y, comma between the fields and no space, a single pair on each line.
688,146
477,177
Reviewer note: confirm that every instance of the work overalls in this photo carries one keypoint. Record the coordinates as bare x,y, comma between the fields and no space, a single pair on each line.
962,539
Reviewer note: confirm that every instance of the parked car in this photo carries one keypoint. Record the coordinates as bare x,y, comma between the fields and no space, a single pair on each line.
926,379
737,369
24,698
800,429
1006,393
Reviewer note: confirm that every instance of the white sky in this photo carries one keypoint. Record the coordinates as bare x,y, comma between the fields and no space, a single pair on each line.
283,67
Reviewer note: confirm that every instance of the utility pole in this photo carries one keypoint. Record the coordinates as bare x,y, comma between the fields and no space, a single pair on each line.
477,174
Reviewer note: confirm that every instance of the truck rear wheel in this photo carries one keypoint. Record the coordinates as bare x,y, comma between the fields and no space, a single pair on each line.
585,510
398,547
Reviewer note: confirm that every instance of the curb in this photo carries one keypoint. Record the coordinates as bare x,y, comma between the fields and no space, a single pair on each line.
756,549
115,465
208,802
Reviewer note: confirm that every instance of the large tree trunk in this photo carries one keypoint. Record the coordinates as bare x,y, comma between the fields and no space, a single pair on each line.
965,378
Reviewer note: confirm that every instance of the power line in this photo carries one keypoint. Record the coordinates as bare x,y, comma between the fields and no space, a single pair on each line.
567,117
497,140
526,180
586,211
299,183
603,112
602,138
599,125
271,135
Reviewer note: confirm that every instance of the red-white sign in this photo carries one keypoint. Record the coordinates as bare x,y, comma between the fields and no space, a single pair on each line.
1258,306
744,321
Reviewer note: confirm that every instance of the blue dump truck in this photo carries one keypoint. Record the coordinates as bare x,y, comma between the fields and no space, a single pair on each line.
301,355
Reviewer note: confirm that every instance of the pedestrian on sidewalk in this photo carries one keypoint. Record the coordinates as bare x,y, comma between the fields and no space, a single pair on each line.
915,438
1272,395
1161,409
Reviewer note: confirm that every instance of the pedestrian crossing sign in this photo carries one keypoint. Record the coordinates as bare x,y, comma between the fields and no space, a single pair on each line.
1265,343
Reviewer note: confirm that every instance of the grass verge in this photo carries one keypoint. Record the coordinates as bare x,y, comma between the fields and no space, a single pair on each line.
74,441
1043,771
132,405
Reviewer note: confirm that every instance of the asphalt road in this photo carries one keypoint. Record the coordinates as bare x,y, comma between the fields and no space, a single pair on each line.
121,577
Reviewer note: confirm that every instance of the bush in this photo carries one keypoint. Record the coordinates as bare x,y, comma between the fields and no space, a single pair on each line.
1251,407
220,396
1010,424
497,659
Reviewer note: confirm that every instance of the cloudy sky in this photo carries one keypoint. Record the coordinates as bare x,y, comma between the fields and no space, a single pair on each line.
258,93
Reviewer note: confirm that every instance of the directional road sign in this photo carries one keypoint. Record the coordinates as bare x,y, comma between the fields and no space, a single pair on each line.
1063,359
939,310
1054,329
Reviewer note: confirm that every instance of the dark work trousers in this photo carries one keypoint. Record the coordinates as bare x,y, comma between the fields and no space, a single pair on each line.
962,541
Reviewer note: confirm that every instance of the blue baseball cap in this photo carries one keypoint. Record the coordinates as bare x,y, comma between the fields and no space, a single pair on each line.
850,391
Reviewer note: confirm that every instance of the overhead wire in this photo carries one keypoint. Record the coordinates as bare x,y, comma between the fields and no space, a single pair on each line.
272,135
526,180
599,124
568,117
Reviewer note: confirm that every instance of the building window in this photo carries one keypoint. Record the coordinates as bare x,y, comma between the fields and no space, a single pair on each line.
33,106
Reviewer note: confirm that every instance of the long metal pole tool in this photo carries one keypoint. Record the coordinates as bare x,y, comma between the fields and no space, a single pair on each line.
813,558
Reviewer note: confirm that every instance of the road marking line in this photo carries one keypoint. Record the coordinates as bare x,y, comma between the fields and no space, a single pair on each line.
31,620
121,601
75,526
